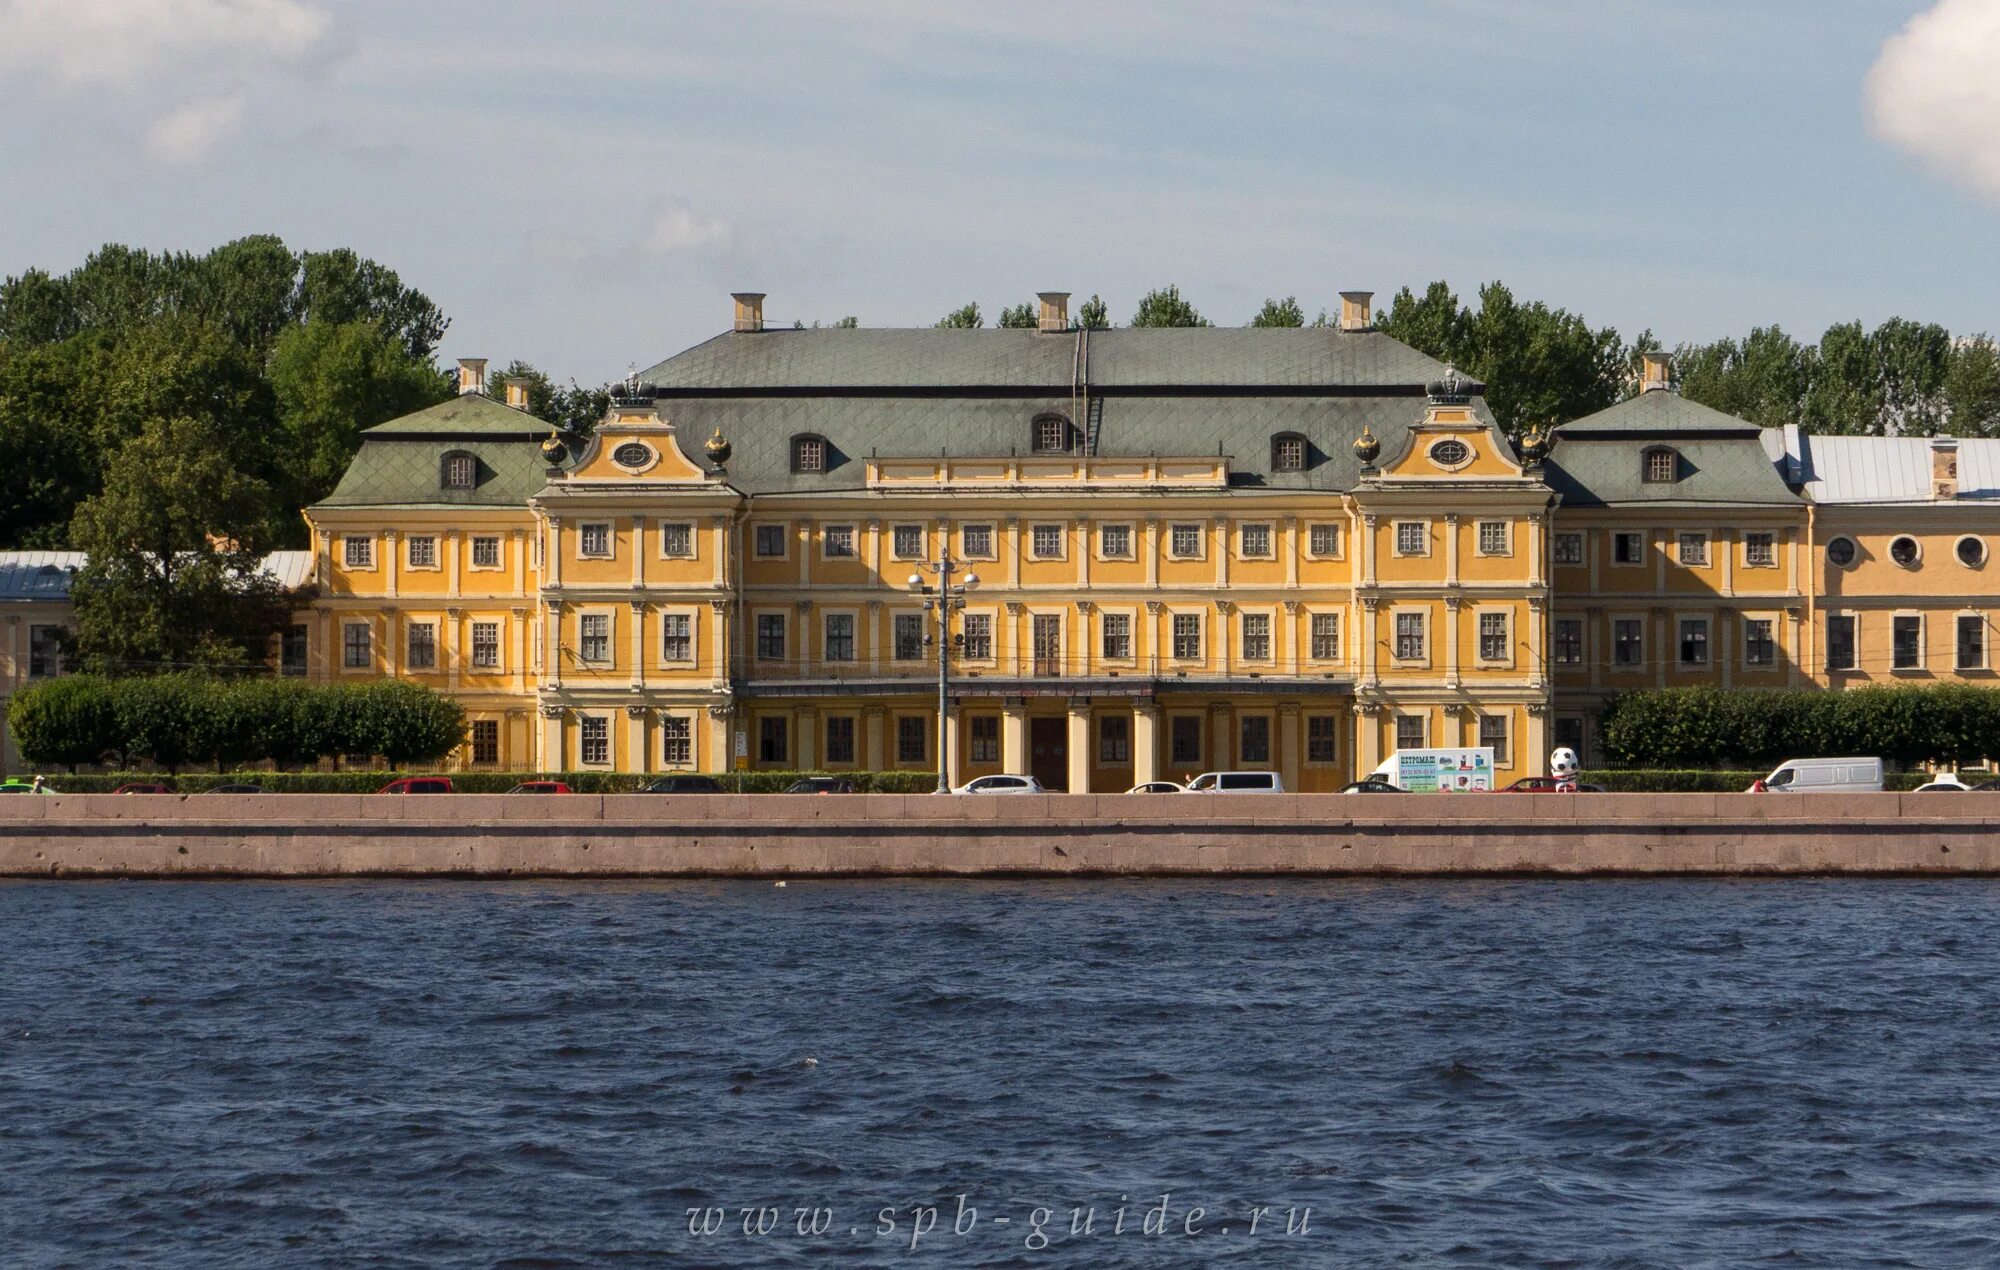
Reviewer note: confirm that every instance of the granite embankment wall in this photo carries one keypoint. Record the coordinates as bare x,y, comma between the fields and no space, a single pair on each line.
336,835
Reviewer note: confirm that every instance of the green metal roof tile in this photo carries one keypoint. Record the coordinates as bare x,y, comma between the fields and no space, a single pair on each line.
468,415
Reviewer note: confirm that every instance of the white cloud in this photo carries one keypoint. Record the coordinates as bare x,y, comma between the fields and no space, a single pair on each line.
192,132
678,228
1935,91
118,42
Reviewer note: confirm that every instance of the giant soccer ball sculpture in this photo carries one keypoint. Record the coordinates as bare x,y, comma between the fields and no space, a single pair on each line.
1563,765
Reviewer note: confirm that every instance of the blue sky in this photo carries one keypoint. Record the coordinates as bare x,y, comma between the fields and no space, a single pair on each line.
580,185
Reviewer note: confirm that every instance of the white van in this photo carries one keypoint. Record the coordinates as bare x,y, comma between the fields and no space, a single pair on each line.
1237,783
1462,770
1824,776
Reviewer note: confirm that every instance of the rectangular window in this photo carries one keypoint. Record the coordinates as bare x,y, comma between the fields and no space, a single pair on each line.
677,540
1694,641
770,542
1253,542
1257,637
357,650
1323,540
1046,634
809,454
486,740
1047,542
978,631
1493,538
486,645
676,740
423,645
985,739
676,637
906,542
423,549
45,651
1568,641
1840,641
1184,542
908,630
594,637
774,739
1326,637
1409,636
1184,739
1114,739
770,637
1187,636
1693,549
1628,547
840,738
1568,549
837,542
976,542
1760,648
1410,731
839,631
1114,542
1322,738
1628,642
358,553
1493,733
292,650
1117,636
912,738
1971,642
1907,642
485,551
1253,738
1290,453
593,740
1493,637
1760,550
1412,538
594,540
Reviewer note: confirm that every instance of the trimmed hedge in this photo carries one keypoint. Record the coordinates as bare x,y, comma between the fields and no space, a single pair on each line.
1948,724
477,782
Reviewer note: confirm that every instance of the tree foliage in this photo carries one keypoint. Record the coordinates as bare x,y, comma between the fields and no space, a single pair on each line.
1708,727
1164,306
331,382
965,319
1285,312
571,407
1022,317
1094,314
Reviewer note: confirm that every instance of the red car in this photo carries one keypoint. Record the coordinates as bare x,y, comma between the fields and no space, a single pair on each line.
418,785
1545,785
540,787
143,787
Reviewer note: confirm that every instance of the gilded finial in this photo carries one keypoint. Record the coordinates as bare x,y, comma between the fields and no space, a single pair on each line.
553,449
1366,447
718,448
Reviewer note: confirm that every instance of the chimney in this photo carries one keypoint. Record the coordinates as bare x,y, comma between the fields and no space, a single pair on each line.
1944,467
1656,373
1055,310
471,375
516,389
749,310
1357,310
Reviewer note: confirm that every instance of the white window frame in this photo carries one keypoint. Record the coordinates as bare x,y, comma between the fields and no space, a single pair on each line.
992,551
410,561
610,551
1777,641
1270,533
348,563
1697,538
757,617
839,531
1645,542
1200,551
1555,645
1423,528
583,724
1611,642
1131,619
1503,753
472,555
857,637
1422,656
1313,618
1853,644
373,653
693,540
1506,616
1985,652
1923,642
499,646
1306,738
685,723
923,630
1707,640
992,653
1131,532
1750,534
693,618
1270,721
896,532
1332,527
610,657
1423,722
410,628
1506,528
1270,619
1557,556
1035,551
1174,653
784,529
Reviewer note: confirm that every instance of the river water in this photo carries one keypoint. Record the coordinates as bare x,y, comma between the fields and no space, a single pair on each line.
1590,1073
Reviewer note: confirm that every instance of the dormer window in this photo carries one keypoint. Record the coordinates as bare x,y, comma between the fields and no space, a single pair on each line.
461,471
1662,466
808,454
1288,452
1052,434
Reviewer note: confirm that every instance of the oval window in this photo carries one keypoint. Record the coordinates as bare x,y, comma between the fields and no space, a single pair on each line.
632,454
1451,452
1904,551
1971,551
1840,552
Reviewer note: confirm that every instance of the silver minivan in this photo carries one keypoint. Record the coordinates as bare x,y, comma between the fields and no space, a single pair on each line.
1824,776
1237,783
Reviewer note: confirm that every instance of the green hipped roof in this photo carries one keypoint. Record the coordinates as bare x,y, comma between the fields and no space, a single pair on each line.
400,462
1659,411
468,415
1599,460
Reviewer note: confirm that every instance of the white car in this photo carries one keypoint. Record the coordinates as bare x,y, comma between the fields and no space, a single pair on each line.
1942,782
1002,785
1156,787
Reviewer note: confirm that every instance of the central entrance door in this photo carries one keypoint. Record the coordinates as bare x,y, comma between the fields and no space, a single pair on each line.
1048,752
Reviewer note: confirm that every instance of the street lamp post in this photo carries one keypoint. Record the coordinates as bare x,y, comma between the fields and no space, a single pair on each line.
945,595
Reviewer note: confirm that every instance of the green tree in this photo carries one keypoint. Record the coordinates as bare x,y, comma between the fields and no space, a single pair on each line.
1163,306
1434,324
1285,312
66,721
1972,388
331,381
1022,316
1094,314
571,407
1763,379
964,319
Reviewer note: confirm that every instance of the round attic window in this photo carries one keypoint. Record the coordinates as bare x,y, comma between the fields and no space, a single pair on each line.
1840,552
1451,453
632,455
1905,551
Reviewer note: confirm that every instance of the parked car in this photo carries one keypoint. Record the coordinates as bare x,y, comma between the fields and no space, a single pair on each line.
15,785
1944,782
1002,785
1823,776
1546,785
821,785
143,787
418,785
540,787
682,784
1370,785
240,788
1237,783
1156,787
